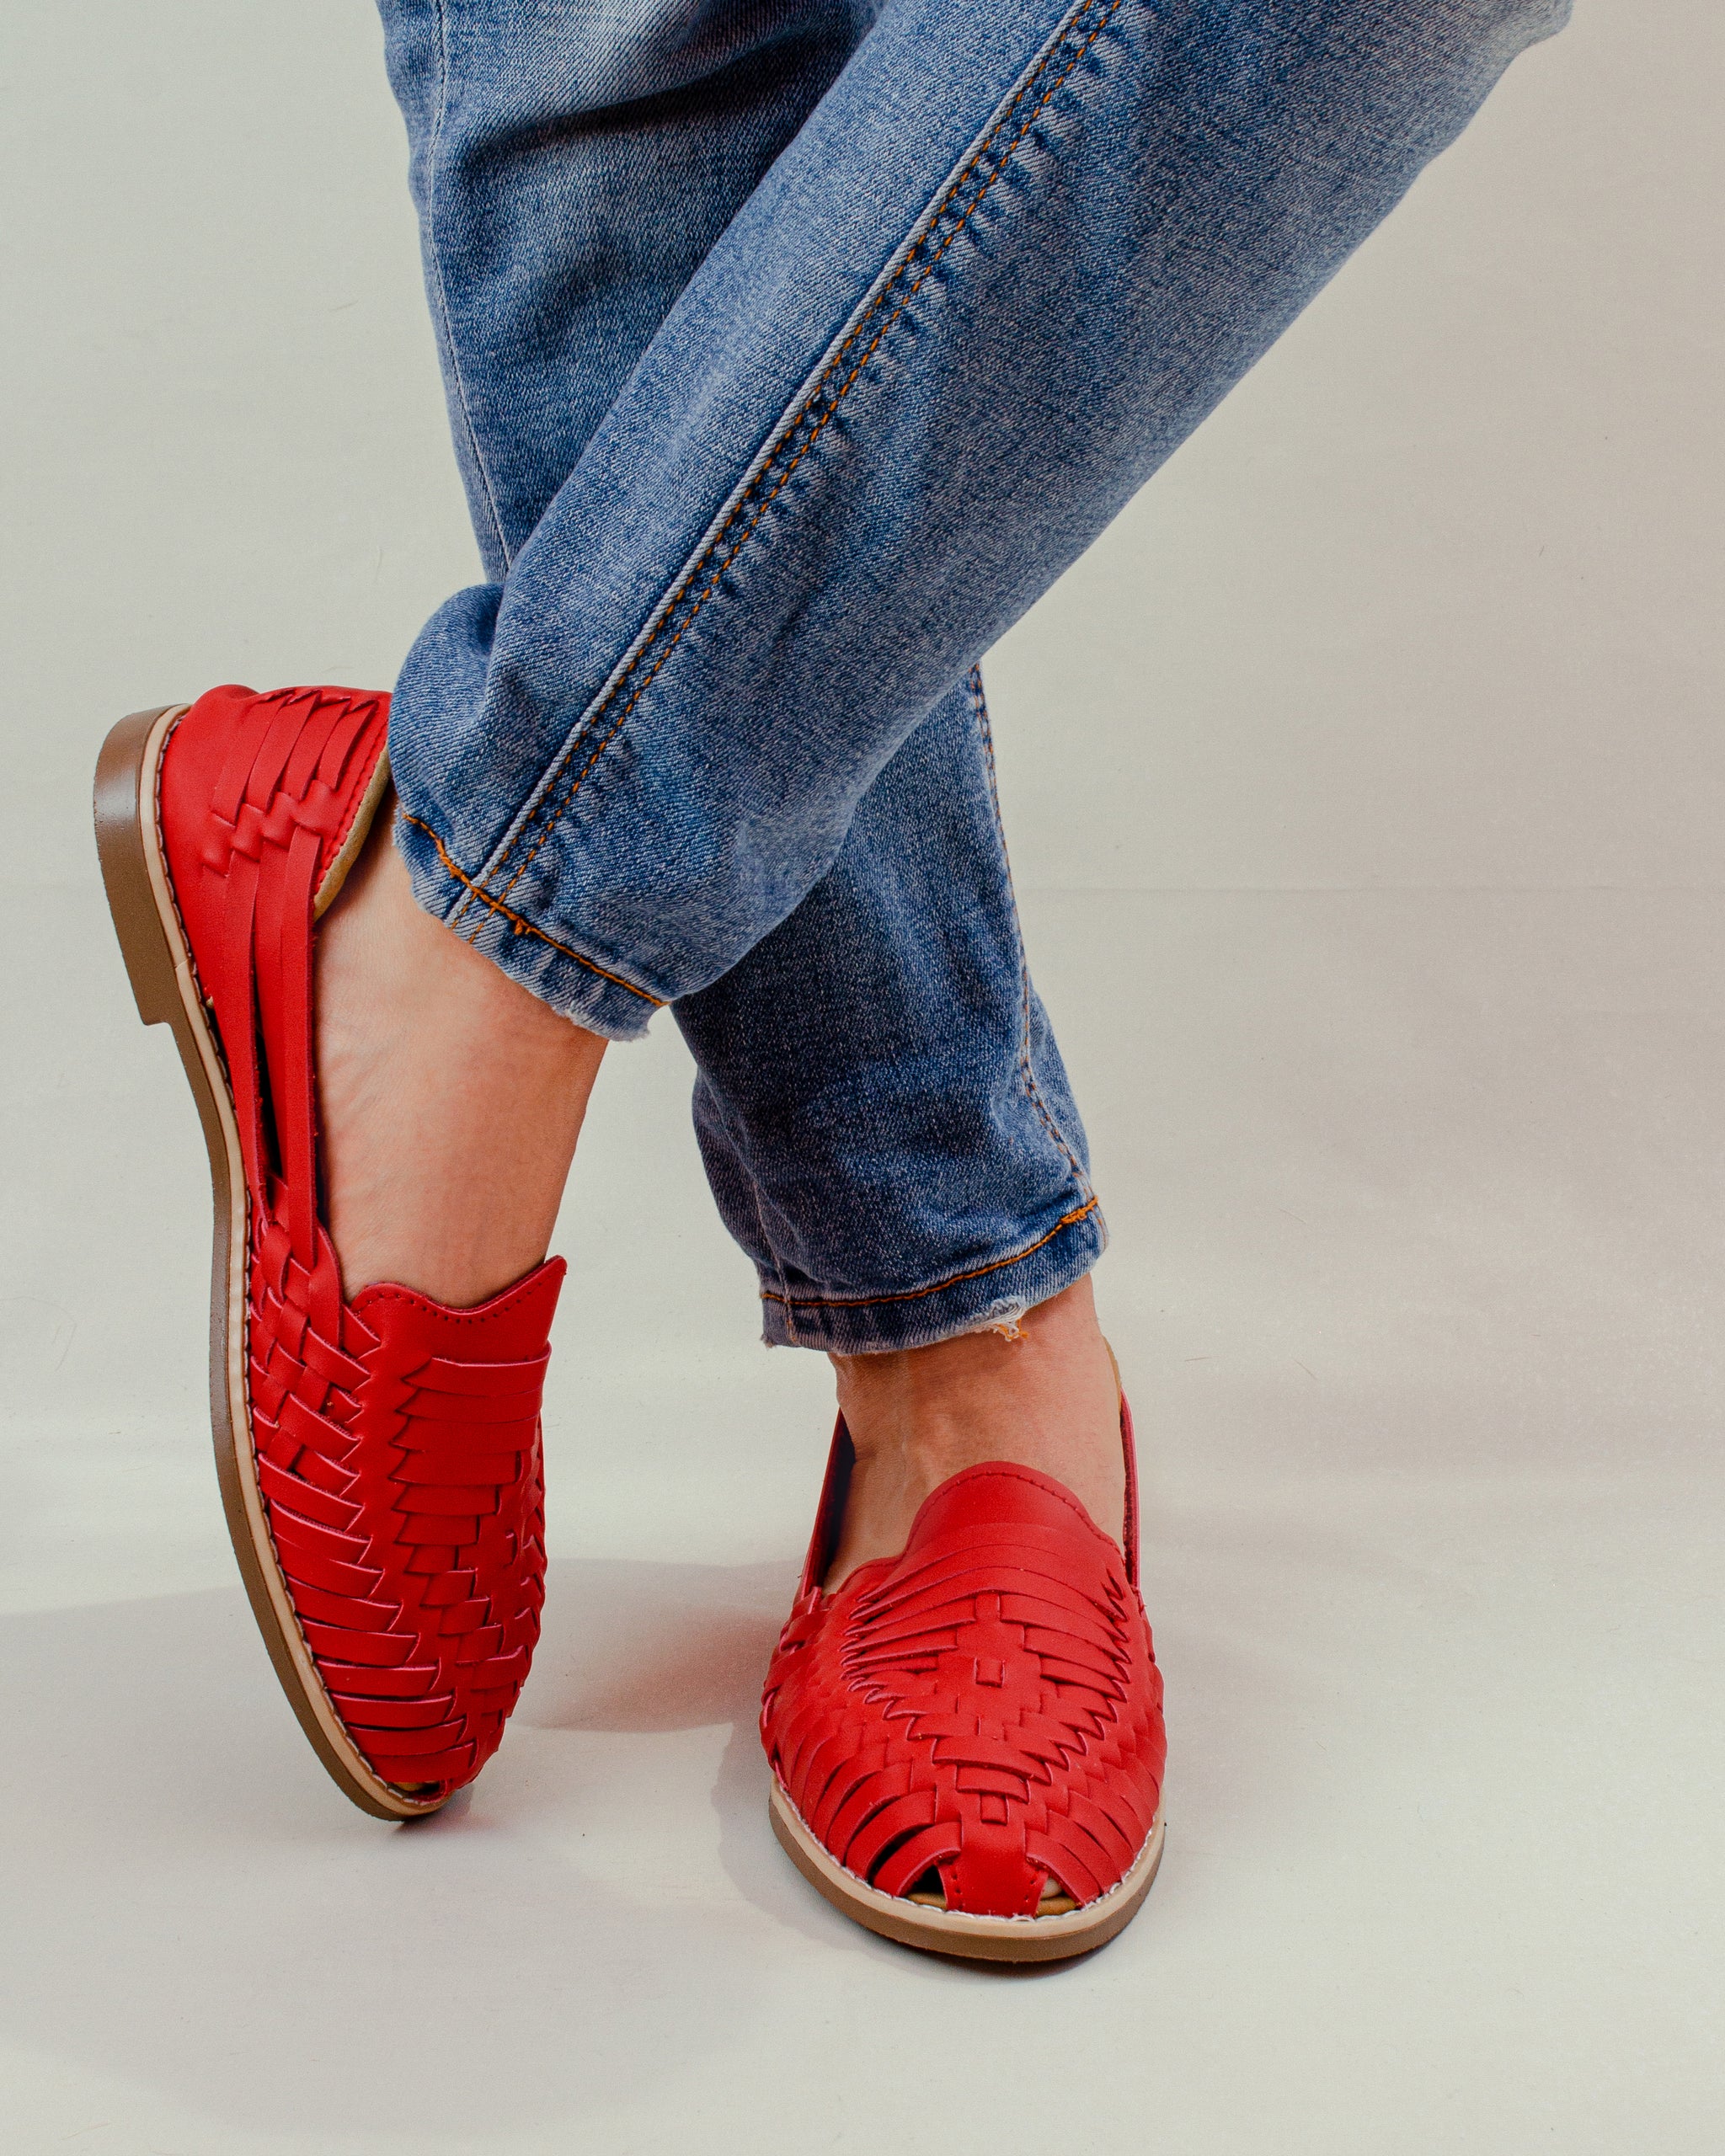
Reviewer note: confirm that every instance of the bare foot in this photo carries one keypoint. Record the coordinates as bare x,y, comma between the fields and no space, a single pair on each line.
450,1098
1047,1400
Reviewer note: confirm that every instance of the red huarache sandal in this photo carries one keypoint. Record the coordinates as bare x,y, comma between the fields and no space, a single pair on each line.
966,1740
379,1458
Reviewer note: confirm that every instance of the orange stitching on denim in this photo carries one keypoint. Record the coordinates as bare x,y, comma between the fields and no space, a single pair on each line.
916,1294
523,927
1110,10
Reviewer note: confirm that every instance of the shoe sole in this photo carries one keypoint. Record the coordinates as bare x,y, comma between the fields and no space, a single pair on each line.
158,962
955,1931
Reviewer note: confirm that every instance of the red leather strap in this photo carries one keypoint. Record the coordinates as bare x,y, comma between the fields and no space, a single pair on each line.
397,1442
403,1479
984,1710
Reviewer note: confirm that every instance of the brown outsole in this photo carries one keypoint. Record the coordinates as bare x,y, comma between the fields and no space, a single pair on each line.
953,1931
164,983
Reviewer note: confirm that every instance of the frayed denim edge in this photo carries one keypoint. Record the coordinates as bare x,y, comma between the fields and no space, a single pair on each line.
993,1295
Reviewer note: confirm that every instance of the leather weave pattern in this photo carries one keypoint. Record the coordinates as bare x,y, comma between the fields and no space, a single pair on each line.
984,1710
397,1442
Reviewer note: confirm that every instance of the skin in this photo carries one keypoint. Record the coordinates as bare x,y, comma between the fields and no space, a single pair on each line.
452,1101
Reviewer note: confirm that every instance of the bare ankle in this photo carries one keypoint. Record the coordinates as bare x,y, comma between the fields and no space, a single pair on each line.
1044,1398
450,1097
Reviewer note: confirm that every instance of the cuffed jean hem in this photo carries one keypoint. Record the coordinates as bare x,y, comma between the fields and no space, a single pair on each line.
582,990
993,1292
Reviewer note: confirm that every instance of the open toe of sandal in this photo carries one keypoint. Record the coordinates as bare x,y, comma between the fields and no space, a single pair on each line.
966,1740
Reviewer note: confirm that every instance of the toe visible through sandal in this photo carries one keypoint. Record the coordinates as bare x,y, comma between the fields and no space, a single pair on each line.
967,1740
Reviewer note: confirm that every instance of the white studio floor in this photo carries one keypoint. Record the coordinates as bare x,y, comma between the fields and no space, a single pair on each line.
1419,1308
1366,785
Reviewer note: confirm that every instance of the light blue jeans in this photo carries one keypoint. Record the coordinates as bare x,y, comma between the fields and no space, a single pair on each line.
793,348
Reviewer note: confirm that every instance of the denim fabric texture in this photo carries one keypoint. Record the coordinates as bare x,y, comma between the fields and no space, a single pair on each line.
793,350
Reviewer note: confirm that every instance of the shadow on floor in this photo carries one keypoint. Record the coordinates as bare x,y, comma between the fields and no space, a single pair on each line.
192,1907
637,1647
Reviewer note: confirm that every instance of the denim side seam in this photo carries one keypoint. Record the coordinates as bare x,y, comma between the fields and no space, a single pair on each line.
783,1298
739,1158
1089,1206
814,408
519,924
1031,1090
440,290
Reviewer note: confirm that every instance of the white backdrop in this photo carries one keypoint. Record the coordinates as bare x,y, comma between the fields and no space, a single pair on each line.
1365,785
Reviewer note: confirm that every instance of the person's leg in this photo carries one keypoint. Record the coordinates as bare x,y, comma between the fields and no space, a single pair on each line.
1009,264
882,1111
889,1132
885,1119
450,1098
571,168
1011,260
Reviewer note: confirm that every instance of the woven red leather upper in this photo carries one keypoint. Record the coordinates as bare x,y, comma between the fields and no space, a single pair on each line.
985,1707
397,1442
